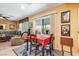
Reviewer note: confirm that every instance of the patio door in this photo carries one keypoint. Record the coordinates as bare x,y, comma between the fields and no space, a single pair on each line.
46,25
23,27
42,24
30,27
38,26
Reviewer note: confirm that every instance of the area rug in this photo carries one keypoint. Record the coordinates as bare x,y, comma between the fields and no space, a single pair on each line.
21,51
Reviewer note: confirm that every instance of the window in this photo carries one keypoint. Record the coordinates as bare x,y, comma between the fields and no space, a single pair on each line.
42,25
30,25
46,25
23,27
38,26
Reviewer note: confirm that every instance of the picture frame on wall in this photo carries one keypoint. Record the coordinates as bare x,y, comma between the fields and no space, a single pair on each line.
65,30
65,17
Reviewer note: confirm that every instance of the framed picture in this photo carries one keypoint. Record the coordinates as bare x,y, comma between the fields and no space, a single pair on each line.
65,17
65,30
11,26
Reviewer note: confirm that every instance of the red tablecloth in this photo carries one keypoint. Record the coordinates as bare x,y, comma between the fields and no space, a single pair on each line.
42,39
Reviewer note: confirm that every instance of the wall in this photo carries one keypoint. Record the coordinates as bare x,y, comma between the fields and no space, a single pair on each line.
7,23
74,23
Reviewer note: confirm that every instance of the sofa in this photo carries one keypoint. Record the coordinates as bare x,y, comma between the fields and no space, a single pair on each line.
16,40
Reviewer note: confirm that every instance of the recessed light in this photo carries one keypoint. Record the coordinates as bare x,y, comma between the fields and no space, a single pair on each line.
22,6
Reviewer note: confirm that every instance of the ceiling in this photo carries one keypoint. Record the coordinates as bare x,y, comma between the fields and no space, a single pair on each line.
17,11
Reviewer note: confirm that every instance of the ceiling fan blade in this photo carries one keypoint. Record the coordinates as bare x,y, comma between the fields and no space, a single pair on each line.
8,16
5,18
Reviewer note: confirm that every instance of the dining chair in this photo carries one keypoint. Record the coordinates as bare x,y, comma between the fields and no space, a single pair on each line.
50,45
23,35
37,46
33,44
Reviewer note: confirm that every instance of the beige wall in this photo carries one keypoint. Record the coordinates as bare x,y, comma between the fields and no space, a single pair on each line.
7,23
73,23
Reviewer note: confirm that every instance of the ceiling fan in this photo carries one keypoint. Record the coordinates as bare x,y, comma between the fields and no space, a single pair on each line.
5,17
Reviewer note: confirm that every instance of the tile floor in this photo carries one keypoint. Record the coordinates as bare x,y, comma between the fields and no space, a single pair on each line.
6,49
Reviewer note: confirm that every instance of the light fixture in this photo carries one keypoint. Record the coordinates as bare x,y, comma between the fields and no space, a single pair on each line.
1,18
22,6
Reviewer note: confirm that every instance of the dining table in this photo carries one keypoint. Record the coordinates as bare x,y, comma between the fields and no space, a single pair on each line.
41,38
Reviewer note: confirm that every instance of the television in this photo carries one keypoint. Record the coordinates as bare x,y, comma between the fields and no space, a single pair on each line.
1,27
